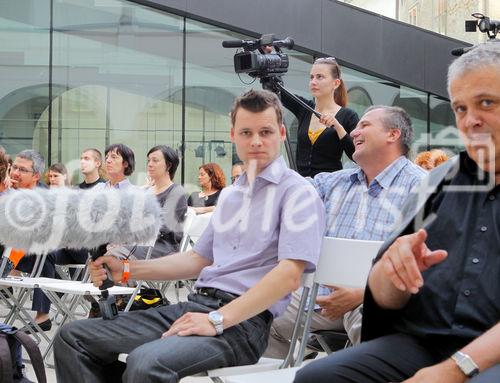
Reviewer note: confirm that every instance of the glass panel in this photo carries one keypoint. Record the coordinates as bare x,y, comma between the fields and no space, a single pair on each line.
443,134
366,90
119,65
24,67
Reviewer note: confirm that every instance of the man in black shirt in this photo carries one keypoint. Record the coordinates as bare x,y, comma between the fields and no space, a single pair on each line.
90,163
432,304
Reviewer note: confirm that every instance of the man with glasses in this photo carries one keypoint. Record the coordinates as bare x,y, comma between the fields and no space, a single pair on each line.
25,173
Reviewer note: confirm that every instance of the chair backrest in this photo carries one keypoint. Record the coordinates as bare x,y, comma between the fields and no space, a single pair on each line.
342,262
345,262
198,226
194,225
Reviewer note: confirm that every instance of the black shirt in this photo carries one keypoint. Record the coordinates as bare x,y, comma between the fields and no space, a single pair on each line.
194,199
460,298
326,153
85,185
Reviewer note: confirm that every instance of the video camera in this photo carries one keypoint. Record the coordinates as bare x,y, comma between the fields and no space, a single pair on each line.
484,24
260,64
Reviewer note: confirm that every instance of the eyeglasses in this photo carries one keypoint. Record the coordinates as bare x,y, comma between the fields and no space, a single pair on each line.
327,60
20,169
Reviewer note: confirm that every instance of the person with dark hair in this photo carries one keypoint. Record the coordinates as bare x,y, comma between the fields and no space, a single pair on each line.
321,142
57,176
91,168
120,163
162,165
212,180
236,171
245,273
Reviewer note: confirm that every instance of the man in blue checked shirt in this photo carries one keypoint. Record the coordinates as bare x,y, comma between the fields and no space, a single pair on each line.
361,203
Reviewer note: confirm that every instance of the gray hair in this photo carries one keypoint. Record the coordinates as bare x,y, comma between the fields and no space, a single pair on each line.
395,117
35,157
480,56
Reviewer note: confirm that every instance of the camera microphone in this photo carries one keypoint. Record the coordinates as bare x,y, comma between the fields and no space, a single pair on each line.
234,43
460,51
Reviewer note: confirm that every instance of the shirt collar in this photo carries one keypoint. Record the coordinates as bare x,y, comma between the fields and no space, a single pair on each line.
271,173
385,177
120,185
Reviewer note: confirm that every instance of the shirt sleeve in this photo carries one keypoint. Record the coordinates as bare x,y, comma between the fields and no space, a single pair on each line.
204,245
302,226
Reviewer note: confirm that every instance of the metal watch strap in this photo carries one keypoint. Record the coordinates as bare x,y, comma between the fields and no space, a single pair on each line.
466,364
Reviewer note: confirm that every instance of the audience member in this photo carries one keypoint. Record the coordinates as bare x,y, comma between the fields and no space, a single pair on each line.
162,165
57,176
430,159
212,180
25,173
431,308
91,168
244,275
236,171
120,163
361,203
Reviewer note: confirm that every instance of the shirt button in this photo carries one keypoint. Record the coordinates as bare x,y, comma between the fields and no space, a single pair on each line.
483,228
234,247
466,293
491,197
475,260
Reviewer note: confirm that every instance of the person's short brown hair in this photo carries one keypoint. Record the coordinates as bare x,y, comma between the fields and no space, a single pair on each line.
257,101
216,174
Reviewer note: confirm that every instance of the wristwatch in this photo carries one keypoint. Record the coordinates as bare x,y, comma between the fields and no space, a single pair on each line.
216,318
466,364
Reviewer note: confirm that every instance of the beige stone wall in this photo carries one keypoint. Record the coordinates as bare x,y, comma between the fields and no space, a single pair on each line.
453,23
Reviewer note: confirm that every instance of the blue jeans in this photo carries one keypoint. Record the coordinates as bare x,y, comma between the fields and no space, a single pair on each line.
87,350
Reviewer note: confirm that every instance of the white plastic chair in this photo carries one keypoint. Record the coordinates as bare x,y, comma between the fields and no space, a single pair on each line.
194,226
24,285
342,262
263,364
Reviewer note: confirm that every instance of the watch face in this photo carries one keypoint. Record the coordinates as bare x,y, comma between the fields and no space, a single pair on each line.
215,317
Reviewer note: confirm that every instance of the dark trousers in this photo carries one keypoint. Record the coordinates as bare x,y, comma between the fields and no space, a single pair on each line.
392,358
87,350
60,257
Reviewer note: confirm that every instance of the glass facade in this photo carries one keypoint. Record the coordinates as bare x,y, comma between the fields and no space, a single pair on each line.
88,73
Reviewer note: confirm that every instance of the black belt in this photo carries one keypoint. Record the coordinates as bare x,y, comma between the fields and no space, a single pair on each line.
226,297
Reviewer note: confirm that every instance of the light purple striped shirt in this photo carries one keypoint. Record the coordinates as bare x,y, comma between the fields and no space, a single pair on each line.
253,228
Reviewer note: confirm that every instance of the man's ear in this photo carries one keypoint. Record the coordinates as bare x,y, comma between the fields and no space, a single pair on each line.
232,134
283,132
394,135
